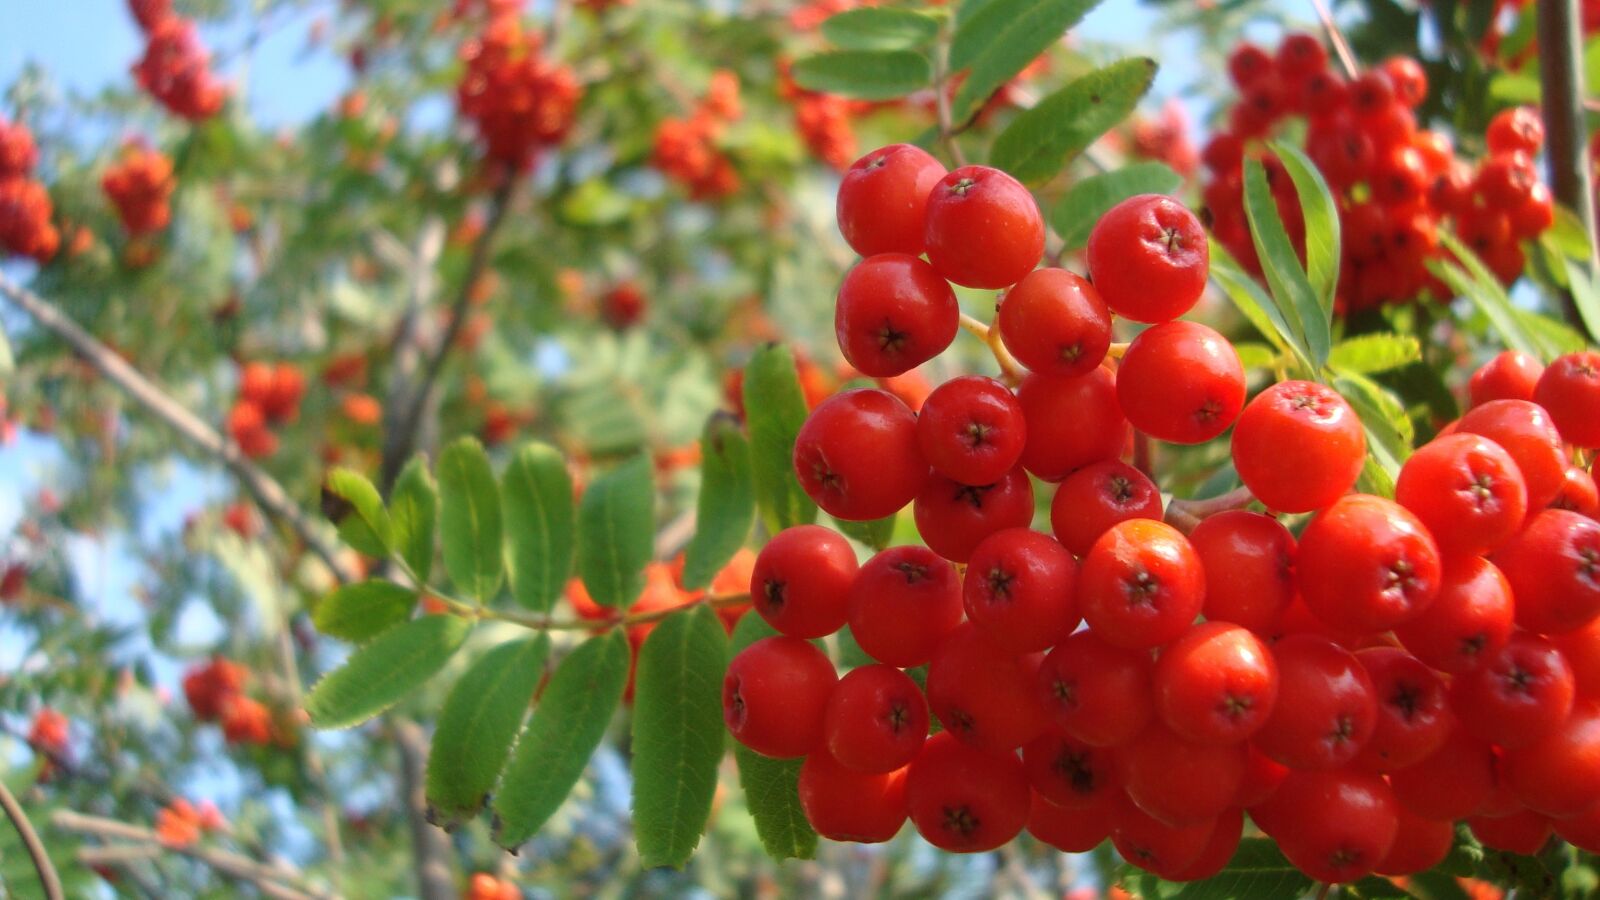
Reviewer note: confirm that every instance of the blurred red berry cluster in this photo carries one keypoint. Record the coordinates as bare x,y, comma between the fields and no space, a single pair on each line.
686,148
215,692
517,99
25,207
175,68
268,395
140,186
181,823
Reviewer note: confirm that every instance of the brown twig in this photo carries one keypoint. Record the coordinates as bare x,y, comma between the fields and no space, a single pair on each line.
49,881
1185,515
1010,370
263,488
435,877
941,105
1341,47
1561,92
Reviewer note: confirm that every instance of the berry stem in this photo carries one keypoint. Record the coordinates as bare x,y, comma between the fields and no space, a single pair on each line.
941,104
49,881
550,623
1340,45
1184,515
1116,351
1010,370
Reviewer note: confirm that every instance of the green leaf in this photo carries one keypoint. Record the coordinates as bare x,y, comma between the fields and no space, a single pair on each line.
1568,236
1389,429
616,523
413,514
1555,338
367,528
1041,140
480,718
880,28
1473,280
1321,216
999,39
1296,299
569,724
1254,304
775,408
864,74
469,511
1089,199
1258,871
537,494
771,786
1255,356
875,533
385,670
1370,353
356,612
726,509
678,734
1586,296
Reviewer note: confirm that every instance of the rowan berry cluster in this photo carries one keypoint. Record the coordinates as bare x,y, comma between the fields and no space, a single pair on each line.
215,692
1397,185
181,823
686,149
48,735
175,68
25,207
623,304
518,100
268,395
484,886
1406,663
140,187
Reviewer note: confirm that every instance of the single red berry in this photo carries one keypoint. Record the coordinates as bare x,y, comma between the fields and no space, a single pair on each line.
982,228
1070,773
1216,684
774,694
1333,826
1371,94
1155,846
983,694
1323,95
1072,830
1524,831
1248,560
1408,78
1178,781
1301,54
1072,422
894,313
1219,850
954,518
971,429
1414,717
1326,709
1582,650
1578,493
857,455
1248,63
876,719
1553,567
1466,490
1054,322
1141,584
1098,496
1569,390
1559,774
1534,214
903,603
1097,693
1149,258
800,581
845,805
1419,844
1223,153
966,800
1298,446
1469,619
1527,432
883,198
1520,694
1019,590
1262,775
1181,382
1366,564
1505,180
1453,782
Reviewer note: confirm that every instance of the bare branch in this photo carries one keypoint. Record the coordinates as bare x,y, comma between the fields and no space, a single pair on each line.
1562,93
49,881
435,879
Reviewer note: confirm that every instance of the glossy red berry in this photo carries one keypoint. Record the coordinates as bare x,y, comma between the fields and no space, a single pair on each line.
1178,781
1419,844
1094,692
1072,422
1334,826
1455,781
1149,258
1072,830
1553,567
966,800
984,695
800,581
1248,64
1070,773
1510,375
1559,774
876,719
1019,590
1155,846
1226,831
1298,446
982,228
971,429
1326,709
1408,78
903,603
845,805
1216,684
1506,179
954,518
1054,322
1527,432
1181,382
883,198
857,455
1248,560
1466,490
1468,620
1569,390
1366,564
1414,717
774,694
894,313
1520,694
1141,584
1518,128
1098,496
1301,54
1578,493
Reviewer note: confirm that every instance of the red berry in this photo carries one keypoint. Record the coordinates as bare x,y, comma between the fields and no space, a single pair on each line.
1181,782
857,455
1219,849
1469,619
1326,709
983,694
845,805
954,518
1334,826
1248,560
1019,590
1578,493
1301,54
1504,181
894,313
1581,831
1181,382
1569,390
1248,64
1520,694
1072,830
903,603
1518,128
1408,78
1069,773
1298,446
883,197
971,429
774,694
983,229
1419,844
1534,214
1054,322
1141,584
801,579
1553,567
1149,258
1524,831
1414,716
1455,781
1371,94
1582,650
1098,496
966,800
1559,775
1097,693
1466,490
1366,564
1072,422
1527,432
876,719
1216,684
1155,846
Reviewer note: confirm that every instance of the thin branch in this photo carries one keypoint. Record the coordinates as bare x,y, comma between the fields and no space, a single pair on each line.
1341,47
548,623
941,104
263,488
314,764
1186,514
1562,92
49,881
1010,370
431,846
